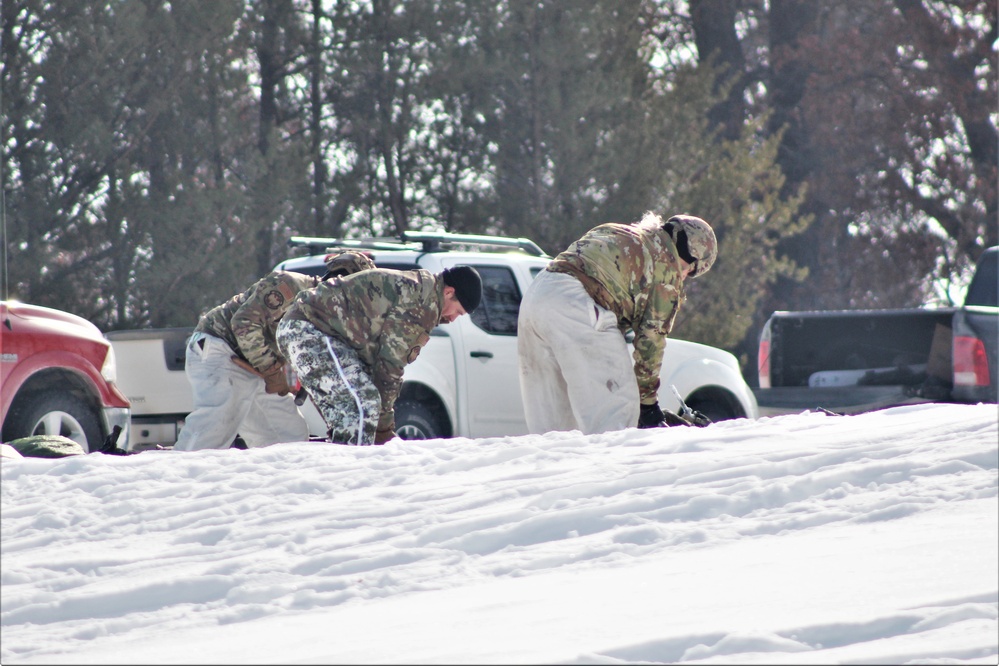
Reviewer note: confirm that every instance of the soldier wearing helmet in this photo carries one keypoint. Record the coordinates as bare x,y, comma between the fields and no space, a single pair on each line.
237,374
575,370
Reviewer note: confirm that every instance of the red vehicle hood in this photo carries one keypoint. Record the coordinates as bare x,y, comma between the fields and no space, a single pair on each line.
41,318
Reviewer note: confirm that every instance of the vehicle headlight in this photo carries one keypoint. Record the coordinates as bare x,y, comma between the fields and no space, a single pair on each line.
109,370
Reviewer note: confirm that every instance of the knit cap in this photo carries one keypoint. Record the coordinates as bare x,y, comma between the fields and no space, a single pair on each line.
467,285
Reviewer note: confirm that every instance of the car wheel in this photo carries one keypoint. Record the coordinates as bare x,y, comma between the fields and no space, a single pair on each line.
414,420
54,413
716,404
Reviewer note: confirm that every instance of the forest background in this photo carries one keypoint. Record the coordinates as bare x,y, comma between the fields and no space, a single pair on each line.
157,155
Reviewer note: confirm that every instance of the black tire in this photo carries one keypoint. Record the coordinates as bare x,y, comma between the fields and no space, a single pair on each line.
414,420
54,413
717,405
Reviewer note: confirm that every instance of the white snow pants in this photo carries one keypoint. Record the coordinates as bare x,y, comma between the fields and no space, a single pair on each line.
575,369
230,400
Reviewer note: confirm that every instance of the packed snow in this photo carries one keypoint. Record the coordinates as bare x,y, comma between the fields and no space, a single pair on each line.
797,539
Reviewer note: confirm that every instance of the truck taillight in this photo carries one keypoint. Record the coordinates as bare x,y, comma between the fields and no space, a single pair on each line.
971,366
763,363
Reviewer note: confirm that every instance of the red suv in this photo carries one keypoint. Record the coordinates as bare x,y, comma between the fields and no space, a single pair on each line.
57,377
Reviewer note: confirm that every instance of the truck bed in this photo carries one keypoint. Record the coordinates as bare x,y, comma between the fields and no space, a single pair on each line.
852,361
806,343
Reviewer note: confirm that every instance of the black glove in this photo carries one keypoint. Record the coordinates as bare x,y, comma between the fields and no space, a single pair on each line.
651,416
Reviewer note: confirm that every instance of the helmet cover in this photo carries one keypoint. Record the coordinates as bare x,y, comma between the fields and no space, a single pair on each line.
695,238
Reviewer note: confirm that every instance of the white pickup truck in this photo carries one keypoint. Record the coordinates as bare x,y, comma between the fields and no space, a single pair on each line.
465,381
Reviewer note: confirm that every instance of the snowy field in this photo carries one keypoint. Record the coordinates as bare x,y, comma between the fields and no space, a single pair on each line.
800,539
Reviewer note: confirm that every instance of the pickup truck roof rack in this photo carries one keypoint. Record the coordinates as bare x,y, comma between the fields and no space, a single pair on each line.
427,241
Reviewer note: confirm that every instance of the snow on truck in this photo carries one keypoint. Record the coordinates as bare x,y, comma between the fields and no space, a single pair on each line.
852,361
464,383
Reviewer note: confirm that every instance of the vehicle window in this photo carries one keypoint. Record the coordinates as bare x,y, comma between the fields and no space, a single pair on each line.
396,267
983,290
497,313
309,270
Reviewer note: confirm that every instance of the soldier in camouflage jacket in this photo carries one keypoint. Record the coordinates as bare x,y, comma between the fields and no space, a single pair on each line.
349,340
575,370
236,371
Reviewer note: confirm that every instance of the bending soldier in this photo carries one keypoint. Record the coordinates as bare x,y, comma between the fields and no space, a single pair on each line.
349,340
237,373
575,370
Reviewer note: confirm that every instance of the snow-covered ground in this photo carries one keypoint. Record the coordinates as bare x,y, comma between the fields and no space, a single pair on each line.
796,539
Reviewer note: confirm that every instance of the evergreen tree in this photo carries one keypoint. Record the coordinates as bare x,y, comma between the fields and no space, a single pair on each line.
887,110
590,130
568,83
159,154
115,181
736,185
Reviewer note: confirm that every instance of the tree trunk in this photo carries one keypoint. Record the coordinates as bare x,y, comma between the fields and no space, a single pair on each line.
717,41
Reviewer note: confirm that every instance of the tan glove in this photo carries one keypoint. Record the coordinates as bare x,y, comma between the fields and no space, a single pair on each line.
384,435
275,380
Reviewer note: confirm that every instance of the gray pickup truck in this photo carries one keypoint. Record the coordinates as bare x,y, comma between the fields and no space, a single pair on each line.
859,360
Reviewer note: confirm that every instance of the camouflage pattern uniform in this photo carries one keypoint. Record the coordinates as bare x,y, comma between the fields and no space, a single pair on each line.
229,399
247,322
574,367
337,381
353,333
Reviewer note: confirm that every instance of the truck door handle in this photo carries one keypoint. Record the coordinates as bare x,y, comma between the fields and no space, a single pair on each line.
481,354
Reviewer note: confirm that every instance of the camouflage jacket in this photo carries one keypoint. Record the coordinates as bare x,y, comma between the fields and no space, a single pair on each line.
248,321
385,315
634,271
